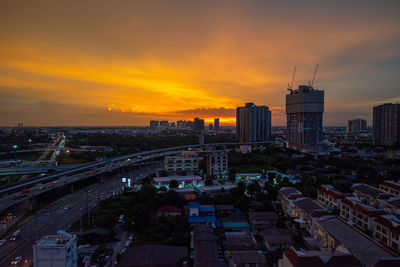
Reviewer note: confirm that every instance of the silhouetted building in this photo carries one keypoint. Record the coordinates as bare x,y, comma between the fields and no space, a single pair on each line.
386,124
253,123
216,123
304,109
164,124
210,127
356,125
153,124
198,124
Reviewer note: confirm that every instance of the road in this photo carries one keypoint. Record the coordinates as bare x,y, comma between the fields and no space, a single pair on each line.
57,218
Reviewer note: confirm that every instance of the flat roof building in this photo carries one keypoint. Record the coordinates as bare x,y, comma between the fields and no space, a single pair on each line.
253,123
56,250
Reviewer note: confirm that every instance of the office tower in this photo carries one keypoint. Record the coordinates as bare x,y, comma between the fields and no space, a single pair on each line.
216,123
356,125
253,123
210,126
153,124
198,125
386,124
55,250
304,109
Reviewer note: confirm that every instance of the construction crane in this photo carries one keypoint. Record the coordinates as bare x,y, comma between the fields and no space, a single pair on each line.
315,72
290,86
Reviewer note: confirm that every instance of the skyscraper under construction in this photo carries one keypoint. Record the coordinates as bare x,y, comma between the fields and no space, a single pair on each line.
304,109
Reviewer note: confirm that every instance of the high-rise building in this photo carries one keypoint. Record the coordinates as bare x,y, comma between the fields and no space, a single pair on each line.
356,125
216,123
253,123
55,250
217,164
153,124
198,124
210,126
304,109
386,124
164,124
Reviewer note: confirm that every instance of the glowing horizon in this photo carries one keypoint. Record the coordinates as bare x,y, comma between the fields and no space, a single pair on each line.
96,63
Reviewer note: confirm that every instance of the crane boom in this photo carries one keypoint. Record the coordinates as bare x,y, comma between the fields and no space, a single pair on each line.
315,72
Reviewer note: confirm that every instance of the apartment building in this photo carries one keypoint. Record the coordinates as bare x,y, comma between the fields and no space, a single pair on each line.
217,164
361,215
387,231
391,187
186,163
392,206
331,197
286,196
371,195
308,211
336,235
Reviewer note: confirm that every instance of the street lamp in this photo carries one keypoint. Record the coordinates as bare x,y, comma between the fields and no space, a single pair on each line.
15,154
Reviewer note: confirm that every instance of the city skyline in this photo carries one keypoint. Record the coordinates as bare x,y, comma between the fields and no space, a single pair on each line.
87,64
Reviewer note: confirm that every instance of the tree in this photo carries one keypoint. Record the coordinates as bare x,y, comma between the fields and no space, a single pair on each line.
253,188
173,184
208,182
232,176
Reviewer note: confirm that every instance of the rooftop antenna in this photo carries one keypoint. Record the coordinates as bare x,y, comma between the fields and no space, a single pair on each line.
290,86
315,72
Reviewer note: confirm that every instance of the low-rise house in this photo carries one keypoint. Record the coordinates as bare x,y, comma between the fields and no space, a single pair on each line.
155,256
201,214
297,258
224,209
240,243
260,220
336,235
355,211
247,258
391,187
392,206
370,195
331,197
205,248
277,239
387,231
235,223
286,196
169,211
308,210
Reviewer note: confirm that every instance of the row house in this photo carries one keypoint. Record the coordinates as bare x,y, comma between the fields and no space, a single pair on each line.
392,206
335,235
331,197
307,211
355,211
286,196
370,195
387,231
391,187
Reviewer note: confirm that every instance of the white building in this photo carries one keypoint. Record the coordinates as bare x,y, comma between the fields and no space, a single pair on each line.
55,250
217,164
186,163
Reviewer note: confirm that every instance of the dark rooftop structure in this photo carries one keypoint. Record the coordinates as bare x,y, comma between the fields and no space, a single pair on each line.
240,243
364,249
247,258
154,256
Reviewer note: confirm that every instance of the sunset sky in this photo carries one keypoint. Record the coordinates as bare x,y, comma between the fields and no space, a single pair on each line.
126,62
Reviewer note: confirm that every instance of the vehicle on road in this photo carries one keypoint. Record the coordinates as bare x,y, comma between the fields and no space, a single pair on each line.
15,235
24,192
16,260
4,220
2,242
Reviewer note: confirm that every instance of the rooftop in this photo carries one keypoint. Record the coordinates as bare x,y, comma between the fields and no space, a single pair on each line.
262,215
371,191
363,248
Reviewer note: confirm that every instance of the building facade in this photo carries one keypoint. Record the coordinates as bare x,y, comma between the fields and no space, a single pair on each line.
198,125
253,123
153,124
304,109
356,126
391,187
216,123
329,196
55,250
386,124
186,163
217,164
387,231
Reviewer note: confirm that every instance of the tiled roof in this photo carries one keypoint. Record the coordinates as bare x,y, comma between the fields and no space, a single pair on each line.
202,219
371,191
310,207
262,215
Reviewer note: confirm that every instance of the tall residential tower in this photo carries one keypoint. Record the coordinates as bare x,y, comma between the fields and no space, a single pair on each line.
253,123
386,124
304,109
